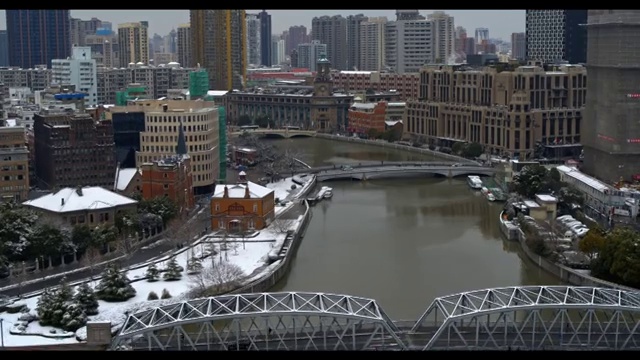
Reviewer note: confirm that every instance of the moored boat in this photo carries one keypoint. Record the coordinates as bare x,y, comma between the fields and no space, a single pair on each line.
474,182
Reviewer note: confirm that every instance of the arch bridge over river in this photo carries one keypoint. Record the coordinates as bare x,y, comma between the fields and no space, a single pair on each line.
509,318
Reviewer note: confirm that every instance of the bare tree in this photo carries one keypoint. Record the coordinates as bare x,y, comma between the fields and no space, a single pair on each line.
221,278
283,225
90,258
21,278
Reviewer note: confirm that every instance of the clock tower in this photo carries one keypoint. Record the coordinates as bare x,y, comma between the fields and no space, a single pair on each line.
323,84
324,114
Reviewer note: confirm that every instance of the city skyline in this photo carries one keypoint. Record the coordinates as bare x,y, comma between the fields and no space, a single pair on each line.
501,23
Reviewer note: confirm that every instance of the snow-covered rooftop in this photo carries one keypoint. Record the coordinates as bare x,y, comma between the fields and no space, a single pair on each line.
217,92
583,178
238,191
363,106
124,177
531,204
350,72
546,198
88,198
392,122
397,104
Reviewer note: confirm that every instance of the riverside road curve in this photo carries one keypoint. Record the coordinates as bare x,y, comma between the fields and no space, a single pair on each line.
201,220
373,164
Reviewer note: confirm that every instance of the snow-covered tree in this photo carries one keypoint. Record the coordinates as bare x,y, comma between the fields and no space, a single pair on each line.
161,206
61,297
194,265
115,285
45,308
152,296
87,299
74,316
152,273
165,294
173,271
16,229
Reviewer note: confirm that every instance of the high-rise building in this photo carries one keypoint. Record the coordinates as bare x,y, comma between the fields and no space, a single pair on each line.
409,45
372,44
254,50
171,42
443,37
265,37
281,56
519,46
184,45
134,43
78,70
308,54
219,46
72,149
4,48
14,161
37,36
297,35
482,34
556,35
611,133
408,15
163,120
79,29
353,40
105,49
332,31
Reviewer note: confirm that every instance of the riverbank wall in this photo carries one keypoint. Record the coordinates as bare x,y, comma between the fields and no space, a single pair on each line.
388,145
566,274
267,281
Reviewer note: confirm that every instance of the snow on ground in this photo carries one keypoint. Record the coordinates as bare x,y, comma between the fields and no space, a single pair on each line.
283,189
250,256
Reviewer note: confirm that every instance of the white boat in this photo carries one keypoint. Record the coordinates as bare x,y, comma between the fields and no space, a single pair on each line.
321,193
328,194
490,197
474,182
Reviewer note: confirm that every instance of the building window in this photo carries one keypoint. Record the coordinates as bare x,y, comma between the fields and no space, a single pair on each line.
251,224
165,175
217,206
255,208
166,186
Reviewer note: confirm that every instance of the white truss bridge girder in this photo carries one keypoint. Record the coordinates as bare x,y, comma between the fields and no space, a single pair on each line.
578,317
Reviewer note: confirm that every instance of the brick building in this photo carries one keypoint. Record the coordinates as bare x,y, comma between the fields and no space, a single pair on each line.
406,84
367,117
170,177
14,163
72,149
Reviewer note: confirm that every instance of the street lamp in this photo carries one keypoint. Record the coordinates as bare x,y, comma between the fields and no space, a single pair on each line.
1,333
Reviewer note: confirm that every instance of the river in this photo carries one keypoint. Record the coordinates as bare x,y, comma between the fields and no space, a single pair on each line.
402,242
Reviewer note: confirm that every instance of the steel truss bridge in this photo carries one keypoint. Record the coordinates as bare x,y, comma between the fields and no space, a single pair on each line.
510,318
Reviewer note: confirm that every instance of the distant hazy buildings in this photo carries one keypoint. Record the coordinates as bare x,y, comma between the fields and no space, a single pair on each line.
78,70
265,37
519,46
353,40
556,35
37,36
332,31
443,37
308,54
611,129
80,29
372,44
409,44
254,50
4,48
297,35
134,43
183,42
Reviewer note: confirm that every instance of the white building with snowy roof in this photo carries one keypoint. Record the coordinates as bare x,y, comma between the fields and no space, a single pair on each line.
82,206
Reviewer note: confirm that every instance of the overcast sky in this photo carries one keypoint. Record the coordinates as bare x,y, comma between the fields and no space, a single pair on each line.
501,23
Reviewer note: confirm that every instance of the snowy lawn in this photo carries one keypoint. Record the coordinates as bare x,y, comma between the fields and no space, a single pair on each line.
283,189
251,256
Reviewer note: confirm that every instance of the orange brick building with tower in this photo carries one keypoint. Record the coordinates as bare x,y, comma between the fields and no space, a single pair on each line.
242,207
366,116
170,177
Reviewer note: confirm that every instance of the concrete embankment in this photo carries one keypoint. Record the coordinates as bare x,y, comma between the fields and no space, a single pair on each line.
396,146
267,281
571,276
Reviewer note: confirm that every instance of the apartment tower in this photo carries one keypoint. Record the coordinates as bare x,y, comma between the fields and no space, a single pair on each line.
134,43
556,35
254,50
611,131
443,36
353,40
265,38
184,45
372,44
332,31
37,36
